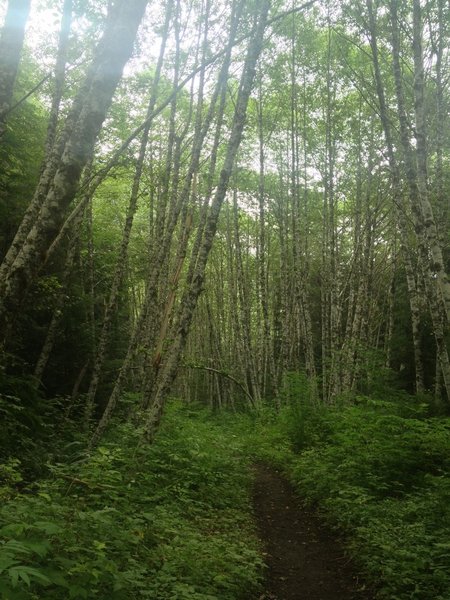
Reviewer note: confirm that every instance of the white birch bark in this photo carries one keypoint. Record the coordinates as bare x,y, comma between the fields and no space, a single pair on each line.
399,204
111,54
120,268
191,295
11,43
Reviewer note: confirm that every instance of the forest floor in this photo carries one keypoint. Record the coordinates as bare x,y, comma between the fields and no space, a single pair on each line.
305,560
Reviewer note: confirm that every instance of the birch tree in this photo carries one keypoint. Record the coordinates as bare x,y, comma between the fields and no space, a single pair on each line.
190,297
81,130
119,273
11,42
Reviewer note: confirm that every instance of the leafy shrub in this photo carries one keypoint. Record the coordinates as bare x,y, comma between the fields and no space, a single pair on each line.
302,418
384,476
169,521
31,426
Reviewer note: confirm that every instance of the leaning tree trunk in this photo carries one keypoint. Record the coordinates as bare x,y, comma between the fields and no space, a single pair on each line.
120,268
160,322
189,300
58,310
429,222
407,251
53,146
161,250
59,76
112,52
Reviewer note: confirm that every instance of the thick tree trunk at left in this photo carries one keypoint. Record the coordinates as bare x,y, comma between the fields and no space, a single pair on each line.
52,152
11,43
112,52
119,272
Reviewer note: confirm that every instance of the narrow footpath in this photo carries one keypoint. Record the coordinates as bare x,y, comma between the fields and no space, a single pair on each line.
305,561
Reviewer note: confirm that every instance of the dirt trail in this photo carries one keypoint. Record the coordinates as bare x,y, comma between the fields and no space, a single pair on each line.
305,561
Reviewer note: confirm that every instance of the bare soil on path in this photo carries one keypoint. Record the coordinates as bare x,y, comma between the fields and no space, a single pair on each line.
305,560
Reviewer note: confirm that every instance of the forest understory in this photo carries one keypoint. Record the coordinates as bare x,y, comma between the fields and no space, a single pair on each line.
187,518
224,290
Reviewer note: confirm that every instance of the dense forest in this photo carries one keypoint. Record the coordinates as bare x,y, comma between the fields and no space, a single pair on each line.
224,242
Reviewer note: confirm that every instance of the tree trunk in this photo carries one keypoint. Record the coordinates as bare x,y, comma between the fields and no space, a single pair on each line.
432,235
189,300
119,272
11,43
111,54
399,204
425,225
58,311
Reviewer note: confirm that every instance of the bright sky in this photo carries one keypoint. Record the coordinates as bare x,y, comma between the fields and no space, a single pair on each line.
43,29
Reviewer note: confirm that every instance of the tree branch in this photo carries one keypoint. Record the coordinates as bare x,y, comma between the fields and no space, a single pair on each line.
224,374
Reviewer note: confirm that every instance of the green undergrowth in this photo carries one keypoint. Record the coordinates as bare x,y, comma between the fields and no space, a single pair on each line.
169,521
378,469
173,521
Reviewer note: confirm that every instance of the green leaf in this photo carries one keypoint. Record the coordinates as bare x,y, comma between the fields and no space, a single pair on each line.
48,527
6,562
57,578
14,576
23,572
45,496
24,576
76,591
14,529
17,547
40,547
99,545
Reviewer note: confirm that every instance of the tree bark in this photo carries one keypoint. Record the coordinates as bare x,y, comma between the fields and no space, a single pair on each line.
425,225
190,298
407,251
11,43
120,268
111,54
58,311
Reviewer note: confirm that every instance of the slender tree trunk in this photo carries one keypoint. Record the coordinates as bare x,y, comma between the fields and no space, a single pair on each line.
243,305
119,272
188,194
432,236
414,299
299,229
58,310
53,146
89,269
441,120
59,76
167,223
424,222
191,295
331,274
391,317
416,176
268,379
